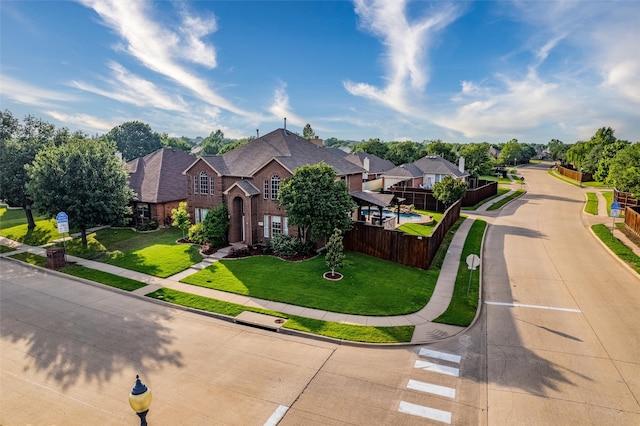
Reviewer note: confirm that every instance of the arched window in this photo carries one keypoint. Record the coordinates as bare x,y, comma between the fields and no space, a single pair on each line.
204,183
275,186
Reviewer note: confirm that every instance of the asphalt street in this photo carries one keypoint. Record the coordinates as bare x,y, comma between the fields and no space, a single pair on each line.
557,342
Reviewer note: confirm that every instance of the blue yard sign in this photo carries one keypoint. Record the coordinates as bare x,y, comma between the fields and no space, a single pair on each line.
615,209
63,222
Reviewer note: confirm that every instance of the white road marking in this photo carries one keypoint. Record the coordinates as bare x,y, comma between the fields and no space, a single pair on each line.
431,388
277,416
426,412
429,353
437,368
519,305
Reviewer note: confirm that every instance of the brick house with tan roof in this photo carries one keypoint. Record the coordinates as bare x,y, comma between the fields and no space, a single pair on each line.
247,180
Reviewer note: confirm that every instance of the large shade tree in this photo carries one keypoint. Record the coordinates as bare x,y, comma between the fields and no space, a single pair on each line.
477,160
624,170
134,139
83,178
316,201
19,144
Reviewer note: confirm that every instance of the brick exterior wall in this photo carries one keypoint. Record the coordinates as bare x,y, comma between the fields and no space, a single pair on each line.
253,208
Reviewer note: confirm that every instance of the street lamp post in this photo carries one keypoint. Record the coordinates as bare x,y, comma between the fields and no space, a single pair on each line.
140,400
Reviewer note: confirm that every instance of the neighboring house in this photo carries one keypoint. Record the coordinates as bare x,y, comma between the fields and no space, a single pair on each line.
373,164
247,180
423,173
159,184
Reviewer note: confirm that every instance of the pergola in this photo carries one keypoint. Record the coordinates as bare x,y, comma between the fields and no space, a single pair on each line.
375,199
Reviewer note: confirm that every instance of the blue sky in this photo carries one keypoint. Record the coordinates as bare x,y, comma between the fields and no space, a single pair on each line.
394,70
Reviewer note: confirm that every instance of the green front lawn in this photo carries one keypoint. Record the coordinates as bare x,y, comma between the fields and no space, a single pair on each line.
370,286
13,225
464,302
154,253
356,333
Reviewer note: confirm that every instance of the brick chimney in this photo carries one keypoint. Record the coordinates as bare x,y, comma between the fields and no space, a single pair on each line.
316,140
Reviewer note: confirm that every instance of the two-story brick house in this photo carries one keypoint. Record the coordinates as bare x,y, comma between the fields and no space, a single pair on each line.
247,181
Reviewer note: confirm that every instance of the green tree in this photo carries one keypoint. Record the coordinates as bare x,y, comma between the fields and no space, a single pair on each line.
477,160
444,150
308,132
235,144
405,152
181,218
181,143
624,170
449,190
216,225
511,152
374,147
134,139
609,152
577,153
19,145
212,143
335,251
316,202
558,150
83,178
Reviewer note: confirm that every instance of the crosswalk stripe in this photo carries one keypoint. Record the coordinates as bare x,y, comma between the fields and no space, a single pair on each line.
430,353
436,368
277,415
426,412
431,388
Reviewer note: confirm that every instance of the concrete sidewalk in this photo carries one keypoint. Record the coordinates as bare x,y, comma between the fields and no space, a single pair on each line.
425,330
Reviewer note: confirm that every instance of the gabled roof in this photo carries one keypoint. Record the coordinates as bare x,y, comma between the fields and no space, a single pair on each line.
376,164
289,149
246,186
158,178
430,164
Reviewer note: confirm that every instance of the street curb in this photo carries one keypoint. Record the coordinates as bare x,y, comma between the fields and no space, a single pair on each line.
622,262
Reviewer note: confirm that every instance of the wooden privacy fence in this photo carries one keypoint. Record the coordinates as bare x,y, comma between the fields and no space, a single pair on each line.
632,218
397,246
575,174
484,190
626,199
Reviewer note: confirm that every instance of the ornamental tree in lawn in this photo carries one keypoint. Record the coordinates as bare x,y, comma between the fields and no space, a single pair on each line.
449,190
83,178
335,251
316,201
181,218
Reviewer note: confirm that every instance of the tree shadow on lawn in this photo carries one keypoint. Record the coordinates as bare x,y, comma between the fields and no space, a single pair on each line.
33,237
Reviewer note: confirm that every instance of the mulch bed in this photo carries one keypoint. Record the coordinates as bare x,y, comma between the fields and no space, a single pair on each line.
259,251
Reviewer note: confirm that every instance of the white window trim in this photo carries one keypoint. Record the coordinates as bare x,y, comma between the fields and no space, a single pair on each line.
266,226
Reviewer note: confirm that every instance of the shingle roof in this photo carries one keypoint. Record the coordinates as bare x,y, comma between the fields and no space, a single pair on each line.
289,149
246,186
158,178
376,164
431,164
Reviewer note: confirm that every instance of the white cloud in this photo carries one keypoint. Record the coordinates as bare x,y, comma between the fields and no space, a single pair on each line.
28,94
160,49
280,108
584,73
406,43
132,89
83,121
